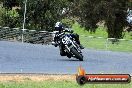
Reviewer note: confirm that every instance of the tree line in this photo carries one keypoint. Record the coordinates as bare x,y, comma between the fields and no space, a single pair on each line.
42,14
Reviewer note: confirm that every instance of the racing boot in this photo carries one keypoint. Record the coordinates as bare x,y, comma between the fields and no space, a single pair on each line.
81,47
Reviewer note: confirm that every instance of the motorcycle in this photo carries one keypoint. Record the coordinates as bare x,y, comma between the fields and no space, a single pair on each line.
129,21
129,16
69,47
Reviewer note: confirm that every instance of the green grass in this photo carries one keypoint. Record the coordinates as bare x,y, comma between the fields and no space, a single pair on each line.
59,84
100,43
128,36
100,32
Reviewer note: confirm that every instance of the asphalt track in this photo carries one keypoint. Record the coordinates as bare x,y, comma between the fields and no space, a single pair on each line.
18,57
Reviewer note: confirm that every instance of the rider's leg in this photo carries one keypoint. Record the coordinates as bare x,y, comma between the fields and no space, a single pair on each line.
54,43
62,52
76,36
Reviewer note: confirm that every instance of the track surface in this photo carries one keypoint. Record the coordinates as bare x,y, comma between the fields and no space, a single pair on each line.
29,58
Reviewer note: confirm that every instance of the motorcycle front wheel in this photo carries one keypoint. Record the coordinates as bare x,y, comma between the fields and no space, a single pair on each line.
77,54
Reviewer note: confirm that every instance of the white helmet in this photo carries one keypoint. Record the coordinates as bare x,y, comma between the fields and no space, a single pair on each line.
58,24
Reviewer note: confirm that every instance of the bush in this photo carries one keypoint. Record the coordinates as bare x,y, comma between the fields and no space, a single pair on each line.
2,13
9,17
67,22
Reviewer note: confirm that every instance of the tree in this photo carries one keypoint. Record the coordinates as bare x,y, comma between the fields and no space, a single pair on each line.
111,11
41,14
9,3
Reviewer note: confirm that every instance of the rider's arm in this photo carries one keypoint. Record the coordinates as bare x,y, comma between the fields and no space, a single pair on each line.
127,10
68,30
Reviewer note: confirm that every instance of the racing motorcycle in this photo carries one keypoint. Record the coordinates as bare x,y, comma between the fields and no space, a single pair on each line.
129,21
68,46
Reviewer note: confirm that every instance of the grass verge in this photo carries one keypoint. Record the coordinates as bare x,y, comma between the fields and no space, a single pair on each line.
98,40
50,81
58,84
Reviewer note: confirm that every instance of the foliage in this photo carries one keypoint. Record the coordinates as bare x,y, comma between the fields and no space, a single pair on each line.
112,12
2,12
42,14
9,17
67,22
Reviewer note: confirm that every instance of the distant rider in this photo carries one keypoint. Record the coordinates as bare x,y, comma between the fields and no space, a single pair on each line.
129,20
129,16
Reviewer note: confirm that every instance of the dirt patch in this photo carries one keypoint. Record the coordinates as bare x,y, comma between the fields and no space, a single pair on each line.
20,77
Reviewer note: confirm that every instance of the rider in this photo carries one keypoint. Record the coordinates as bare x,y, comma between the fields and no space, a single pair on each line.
129,20
129,16
59,28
